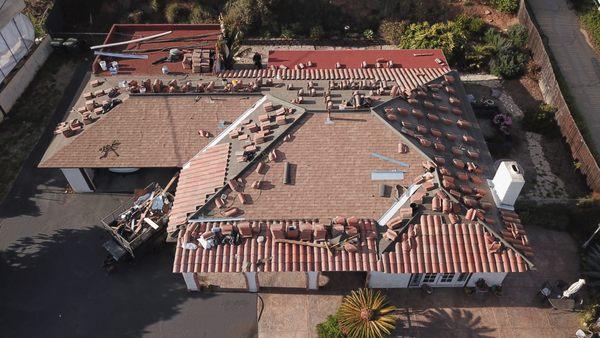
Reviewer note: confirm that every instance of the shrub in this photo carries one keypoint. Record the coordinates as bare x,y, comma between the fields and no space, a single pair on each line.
287,33
135,16
329,328
478,56
369,34
316,32
589,316
506,6
541,120
200,14
509,63
157,5
472,25
508,60
391,31
176,13
517,34
423,35
591,22
240,15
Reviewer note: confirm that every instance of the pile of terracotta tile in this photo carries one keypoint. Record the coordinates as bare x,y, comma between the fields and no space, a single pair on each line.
254,133
201,61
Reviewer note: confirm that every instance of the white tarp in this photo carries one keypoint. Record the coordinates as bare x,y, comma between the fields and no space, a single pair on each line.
16,38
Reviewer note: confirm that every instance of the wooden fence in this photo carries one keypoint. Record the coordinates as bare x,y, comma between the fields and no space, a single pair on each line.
553,95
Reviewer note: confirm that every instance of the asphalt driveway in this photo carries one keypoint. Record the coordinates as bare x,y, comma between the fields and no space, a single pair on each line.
52,283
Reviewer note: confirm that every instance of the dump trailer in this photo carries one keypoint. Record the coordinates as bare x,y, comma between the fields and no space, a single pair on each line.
138,225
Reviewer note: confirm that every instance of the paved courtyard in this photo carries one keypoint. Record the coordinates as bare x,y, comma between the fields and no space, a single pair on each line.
449,312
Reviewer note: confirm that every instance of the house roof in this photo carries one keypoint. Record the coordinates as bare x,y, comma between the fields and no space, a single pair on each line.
151,131
207,33
432,247
444,219
83,154
353,58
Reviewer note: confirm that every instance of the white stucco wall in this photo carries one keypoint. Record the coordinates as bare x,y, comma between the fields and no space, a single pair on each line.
252,281
491,278
76,180
313,280
190,282
384,280
21,79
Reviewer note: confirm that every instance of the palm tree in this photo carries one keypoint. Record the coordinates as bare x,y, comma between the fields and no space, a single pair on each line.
366,314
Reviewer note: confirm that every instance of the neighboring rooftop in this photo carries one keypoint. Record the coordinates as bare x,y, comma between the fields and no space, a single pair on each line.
206,38
327,59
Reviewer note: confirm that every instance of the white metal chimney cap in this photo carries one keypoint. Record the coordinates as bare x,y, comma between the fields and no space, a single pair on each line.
515,171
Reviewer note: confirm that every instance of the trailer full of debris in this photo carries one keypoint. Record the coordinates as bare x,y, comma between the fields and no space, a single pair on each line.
139,223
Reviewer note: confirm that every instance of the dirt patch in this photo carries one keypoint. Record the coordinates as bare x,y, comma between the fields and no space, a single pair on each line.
487,13
28,118
525,92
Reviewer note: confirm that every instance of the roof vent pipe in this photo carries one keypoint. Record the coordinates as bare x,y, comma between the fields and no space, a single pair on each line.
286,173
507,184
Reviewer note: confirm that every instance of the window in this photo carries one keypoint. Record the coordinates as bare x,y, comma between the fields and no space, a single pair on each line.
447,278
429,277
463,276
415,279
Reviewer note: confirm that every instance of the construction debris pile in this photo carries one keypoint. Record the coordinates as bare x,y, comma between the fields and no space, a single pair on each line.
194,51
148,213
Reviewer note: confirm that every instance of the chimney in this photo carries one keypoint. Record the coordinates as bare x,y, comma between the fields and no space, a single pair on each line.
507,184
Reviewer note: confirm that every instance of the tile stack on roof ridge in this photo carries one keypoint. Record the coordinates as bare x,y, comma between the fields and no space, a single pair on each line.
204,174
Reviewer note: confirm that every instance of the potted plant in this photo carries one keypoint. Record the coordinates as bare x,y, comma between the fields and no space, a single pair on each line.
496,290
481,285
469,290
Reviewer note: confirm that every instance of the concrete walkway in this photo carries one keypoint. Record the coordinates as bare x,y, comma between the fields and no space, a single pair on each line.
448,312
578,62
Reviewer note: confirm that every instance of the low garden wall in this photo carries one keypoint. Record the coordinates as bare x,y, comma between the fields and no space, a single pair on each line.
554,96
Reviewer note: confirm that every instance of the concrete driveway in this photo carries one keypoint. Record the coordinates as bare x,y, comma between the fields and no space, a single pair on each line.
579,63
52,283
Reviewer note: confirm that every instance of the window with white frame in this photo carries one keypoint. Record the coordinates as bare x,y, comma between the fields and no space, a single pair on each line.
429,278
447,278
463,277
